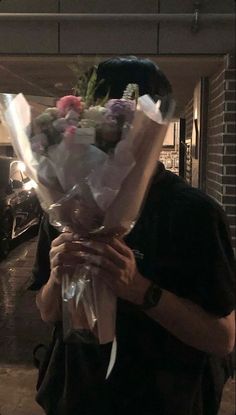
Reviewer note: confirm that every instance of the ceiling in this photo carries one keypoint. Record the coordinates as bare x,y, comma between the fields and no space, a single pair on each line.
51,76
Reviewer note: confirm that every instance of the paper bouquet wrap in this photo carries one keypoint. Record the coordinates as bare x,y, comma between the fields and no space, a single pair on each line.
92,174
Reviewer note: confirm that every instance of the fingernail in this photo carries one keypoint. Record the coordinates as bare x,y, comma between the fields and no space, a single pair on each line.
95,259
85,243
84,254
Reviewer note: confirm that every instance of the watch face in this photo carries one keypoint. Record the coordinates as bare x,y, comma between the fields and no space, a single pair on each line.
152,296
155,294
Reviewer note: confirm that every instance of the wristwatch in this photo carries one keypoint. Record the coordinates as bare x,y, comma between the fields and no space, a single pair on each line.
151,296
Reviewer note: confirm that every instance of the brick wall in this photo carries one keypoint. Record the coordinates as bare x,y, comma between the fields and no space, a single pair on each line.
221,140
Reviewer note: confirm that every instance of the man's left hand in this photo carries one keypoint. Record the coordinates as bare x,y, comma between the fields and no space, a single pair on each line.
114,262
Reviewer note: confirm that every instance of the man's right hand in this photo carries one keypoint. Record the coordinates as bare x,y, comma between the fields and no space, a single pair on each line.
65,255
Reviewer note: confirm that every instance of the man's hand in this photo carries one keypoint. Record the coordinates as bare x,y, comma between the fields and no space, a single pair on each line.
114,262
65,255
109,259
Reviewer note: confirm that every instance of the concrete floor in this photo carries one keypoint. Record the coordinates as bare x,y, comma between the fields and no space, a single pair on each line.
21,329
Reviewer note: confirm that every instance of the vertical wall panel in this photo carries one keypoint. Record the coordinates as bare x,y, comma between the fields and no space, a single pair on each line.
211,37
206,6
109,6
108,37
28,6
28,37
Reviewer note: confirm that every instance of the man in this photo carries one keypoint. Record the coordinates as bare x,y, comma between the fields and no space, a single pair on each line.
174,279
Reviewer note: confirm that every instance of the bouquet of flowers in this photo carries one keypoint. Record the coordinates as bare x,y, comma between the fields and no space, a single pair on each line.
92,165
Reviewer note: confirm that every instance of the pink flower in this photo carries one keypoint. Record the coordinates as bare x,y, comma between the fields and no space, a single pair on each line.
69,102
70,130
69,135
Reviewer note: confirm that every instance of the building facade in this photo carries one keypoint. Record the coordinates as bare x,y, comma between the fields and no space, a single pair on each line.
193,41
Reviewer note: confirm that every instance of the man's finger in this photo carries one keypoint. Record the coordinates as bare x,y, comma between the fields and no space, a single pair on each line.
105,250
63,237
101,262
121,247
66,258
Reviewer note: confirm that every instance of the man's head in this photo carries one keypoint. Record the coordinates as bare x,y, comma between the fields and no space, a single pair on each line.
113,75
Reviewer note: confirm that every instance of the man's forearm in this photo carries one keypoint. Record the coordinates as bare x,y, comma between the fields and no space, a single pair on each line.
48,301
194,326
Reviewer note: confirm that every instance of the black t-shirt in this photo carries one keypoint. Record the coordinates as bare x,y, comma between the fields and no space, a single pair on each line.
181,240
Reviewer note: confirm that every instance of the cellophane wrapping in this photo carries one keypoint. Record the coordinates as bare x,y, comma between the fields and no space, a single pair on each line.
92,168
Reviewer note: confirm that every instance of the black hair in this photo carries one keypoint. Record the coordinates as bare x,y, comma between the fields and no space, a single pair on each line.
113,75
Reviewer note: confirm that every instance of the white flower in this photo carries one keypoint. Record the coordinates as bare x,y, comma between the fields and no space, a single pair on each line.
95,114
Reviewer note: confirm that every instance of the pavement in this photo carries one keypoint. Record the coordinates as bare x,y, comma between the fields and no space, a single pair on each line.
21,329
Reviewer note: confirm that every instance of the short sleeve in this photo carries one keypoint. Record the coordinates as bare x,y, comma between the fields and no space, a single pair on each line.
41,267
201,246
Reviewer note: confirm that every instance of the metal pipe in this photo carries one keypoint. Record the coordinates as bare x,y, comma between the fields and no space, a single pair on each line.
154,18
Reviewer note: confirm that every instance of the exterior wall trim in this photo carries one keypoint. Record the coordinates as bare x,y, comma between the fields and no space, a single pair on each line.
137,17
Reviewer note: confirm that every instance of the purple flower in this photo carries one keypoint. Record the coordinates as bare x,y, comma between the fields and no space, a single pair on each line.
120,110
